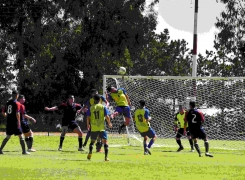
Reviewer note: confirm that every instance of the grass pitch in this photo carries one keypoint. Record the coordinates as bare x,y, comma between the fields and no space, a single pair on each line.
125,163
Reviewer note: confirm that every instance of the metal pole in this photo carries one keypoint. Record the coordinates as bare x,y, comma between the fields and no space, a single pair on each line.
194,66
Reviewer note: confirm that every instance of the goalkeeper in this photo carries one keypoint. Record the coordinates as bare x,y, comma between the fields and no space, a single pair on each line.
123,103
179,122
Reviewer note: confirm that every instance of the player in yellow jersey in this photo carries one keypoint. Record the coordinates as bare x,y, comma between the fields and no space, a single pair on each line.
87,105
123,103
96,116
142,118
179,122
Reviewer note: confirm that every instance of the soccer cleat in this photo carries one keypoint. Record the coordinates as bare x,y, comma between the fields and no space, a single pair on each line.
148,150
145,153
180,149
200,155
80,149
25,153
119,130
31,150
192,150
89,156
60,149
84,145
208,155
106,159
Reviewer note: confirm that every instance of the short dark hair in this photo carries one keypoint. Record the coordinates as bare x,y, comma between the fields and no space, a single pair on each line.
92,91
96,97
70,96
109,88
192,104
142,102
15,92
21,96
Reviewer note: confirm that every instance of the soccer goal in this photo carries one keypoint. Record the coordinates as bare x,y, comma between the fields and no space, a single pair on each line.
222,101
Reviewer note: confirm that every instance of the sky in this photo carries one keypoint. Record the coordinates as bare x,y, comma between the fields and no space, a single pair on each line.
178,17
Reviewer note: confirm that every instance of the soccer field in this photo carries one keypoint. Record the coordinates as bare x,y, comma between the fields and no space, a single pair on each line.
125,163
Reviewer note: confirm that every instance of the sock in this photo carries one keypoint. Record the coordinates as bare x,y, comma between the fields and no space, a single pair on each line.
22,143
87,138
80,142
206,144
61,140
98,145
91,148
27,142
197,148
150,143
30,141
122,126
4,143
179,143
191,143
106,150
144,145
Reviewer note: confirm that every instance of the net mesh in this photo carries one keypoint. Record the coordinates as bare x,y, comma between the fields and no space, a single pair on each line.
220,99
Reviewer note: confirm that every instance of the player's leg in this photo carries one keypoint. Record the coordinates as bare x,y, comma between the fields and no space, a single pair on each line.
190,140
93,137
62,136
151,134
87,138
194,137
4,142
103,137
25,132
178,136
79,132
127,116
206,143
99,144
145,144
30,137
22,142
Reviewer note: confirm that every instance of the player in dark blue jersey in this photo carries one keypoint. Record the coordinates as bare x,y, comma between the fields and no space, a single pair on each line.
87,105
195,120
70,109
24,124
12,112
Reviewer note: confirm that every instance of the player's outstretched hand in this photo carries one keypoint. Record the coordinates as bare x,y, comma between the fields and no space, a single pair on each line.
46,108
88,127
175,129
110,125
34,120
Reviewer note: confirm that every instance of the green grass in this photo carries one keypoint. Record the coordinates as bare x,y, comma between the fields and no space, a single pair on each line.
125,163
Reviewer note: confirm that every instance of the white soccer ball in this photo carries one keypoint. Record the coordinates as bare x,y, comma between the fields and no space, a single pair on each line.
122,71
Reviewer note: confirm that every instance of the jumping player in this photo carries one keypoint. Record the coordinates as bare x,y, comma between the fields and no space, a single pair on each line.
180,121
88,104
70,110
195,119
12,112
142,118
96,116
24,124
123,104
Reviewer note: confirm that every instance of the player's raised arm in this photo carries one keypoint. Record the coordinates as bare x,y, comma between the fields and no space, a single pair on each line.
106,113
30,118
51,109
147,115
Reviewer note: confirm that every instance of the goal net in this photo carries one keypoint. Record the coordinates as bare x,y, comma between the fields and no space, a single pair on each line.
222,101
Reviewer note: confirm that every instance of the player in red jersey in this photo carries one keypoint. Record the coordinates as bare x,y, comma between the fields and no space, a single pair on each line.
12,112
24,124
195,120
70,109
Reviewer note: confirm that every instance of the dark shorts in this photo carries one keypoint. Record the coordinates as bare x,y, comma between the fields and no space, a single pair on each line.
13,130
125,110
101,134
199,133
150,133
72,125
181,133
25,127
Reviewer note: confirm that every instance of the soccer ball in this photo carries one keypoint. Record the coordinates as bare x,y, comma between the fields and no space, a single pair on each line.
122,70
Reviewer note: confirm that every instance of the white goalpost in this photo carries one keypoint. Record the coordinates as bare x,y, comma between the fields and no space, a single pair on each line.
222,101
